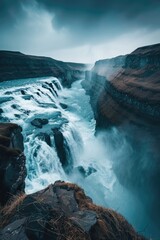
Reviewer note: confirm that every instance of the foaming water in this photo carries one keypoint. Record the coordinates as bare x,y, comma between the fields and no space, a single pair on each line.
89,157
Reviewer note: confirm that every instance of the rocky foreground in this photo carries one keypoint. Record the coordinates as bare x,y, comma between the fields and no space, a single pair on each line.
16,65
61,211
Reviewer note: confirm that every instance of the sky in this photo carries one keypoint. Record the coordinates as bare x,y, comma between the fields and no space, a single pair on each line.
78,31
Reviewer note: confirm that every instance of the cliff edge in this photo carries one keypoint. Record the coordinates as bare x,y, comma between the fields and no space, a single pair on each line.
16,65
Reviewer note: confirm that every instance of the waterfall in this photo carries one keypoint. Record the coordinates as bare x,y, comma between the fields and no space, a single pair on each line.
45,100
59,142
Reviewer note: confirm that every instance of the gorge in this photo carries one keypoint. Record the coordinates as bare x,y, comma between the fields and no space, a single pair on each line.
97,128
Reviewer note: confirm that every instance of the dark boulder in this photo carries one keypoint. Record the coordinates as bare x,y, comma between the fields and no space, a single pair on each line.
23,92
63,105
62,211
15,106
39,122
17,115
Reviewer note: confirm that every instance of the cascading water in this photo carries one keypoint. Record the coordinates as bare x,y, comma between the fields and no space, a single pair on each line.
29,100
51,117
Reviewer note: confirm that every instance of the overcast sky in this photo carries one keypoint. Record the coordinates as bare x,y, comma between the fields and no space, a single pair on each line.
79,31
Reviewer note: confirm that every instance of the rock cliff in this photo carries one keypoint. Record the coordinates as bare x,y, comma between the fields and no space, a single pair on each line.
129,100
137,87
96,78
12,161
15,65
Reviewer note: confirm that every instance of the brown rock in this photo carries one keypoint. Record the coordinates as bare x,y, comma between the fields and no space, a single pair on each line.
63,211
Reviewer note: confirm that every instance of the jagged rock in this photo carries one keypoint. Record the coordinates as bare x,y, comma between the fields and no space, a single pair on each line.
23,92
44,137
60,146
85,219
63,105
39,122
86,172
15,230
62,211
15,106
12,161
17,115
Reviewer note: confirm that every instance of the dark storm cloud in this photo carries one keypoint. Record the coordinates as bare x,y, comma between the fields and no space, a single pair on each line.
11,11
70,27
86,13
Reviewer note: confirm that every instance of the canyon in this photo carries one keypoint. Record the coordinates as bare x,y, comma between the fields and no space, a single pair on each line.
98,128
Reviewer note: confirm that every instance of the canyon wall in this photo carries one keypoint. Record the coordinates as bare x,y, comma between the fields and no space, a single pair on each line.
129,99
96,78
15,65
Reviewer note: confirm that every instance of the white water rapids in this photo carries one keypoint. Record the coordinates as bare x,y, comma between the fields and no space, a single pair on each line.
89,157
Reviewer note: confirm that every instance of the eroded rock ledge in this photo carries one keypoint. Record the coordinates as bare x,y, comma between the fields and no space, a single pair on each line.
62,211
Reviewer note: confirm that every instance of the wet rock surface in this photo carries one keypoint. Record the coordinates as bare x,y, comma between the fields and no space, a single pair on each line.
86,172
44,137
60,146
62,211
39,122
12,161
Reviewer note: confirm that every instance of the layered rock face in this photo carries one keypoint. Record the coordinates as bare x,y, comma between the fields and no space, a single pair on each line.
136,89
62,211
95,81
12,161
130,101
15,65
109,67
